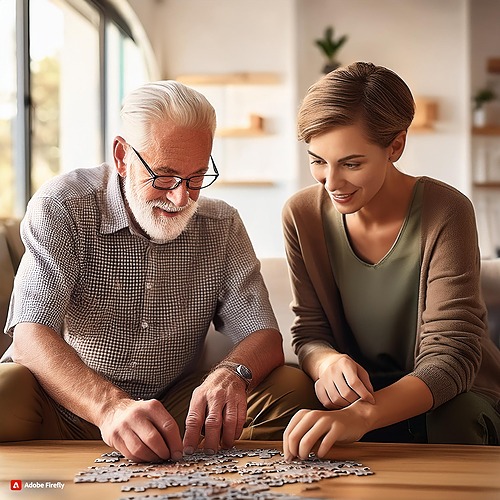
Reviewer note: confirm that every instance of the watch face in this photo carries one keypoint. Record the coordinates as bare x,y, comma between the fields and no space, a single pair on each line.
244,372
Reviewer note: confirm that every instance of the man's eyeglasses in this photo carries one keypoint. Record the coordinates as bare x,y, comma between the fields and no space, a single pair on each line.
170,182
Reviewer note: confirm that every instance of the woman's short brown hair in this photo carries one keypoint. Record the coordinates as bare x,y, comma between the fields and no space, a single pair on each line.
362,93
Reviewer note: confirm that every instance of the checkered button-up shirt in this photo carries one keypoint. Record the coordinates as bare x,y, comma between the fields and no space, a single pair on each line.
135,311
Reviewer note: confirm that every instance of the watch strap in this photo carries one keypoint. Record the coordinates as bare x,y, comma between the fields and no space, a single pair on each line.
239,369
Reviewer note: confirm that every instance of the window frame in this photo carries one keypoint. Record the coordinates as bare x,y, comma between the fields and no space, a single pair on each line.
23,153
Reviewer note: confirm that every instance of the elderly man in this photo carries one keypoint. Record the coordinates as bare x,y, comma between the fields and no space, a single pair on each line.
125,268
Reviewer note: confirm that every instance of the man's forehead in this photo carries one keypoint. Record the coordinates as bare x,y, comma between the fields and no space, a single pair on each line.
168,130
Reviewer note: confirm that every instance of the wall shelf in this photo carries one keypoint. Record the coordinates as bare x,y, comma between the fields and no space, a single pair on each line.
493,65
421,129
250,107
486,130
426,113
254,129
240,132
231,79
245,183
487,185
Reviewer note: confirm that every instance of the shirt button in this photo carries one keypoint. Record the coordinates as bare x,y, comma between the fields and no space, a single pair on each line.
144,325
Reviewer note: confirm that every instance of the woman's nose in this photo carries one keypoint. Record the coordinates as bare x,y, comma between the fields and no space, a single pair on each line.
333,178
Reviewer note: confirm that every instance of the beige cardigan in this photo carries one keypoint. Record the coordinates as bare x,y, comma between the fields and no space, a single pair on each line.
453,351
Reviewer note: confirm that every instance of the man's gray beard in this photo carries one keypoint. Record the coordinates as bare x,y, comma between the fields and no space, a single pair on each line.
159,228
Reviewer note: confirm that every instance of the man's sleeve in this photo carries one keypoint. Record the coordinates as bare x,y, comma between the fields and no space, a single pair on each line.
49,267
243,304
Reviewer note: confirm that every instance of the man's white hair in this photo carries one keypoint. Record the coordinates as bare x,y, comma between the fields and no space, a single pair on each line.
164,101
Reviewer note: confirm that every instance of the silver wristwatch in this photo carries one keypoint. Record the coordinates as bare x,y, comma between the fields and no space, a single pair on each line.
241,370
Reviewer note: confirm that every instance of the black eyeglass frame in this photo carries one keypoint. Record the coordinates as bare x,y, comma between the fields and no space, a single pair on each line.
154,177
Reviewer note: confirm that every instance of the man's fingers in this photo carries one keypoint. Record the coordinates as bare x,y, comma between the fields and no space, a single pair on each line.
159,431
219,408
194,425
242,418
135,449
234,416
143,431
213,428
172,442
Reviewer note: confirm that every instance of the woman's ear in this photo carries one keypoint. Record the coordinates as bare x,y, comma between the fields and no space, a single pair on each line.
397,146
119,152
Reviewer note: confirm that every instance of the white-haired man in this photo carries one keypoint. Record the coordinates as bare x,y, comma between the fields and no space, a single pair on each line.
125,268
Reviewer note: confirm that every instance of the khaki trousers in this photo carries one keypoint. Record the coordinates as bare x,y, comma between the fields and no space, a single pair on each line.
28,413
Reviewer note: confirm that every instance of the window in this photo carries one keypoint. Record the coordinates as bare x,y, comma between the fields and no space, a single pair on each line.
8,98
64,87
81,60
126,69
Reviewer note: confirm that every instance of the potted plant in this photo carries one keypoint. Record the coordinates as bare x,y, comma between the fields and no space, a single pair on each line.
329,46
480,98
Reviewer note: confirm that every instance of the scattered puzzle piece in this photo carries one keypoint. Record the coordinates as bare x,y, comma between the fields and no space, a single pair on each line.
219,476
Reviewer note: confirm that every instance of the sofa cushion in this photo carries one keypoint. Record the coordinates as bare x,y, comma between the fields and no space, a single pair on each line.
10,230
6,283
490,286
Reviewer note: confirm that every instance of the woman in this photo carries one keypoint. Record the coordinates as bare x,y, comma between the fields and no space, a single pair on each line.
384,266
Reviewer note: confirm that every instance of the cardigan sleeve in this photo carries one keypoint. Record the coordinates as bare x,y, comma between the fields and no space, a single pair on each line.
451,309
315,301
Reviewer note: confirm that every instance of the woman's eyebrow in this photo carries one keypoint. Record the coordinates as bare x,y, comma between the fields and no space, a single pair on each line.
340,160
350,157
313,154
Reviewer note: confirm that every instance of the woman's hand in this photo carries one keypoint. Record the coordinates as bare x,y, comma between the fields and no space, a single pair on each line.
309,428
341,382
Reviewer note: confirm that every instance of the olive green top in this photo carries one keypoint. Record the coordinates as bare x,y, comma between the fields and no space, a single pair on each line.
453,351
380,300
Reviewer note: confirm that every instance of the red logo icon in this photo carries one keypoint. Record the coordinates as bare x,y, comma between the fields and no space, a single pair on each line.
16,484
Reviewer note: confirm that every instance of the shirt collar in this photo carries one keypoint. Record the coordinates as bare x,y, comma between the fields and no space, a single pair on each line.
113,211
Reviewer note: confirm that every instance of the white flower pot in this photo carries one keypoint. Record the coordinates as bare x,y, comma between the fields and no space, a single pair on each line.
479,117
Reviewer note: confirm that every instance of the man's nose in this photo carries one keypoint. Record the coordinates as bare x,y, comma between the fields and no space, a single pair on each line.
179,196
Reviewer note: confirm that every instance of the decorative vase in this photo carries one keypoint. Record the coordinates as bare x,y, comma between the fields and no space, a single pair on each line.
328,67
479,117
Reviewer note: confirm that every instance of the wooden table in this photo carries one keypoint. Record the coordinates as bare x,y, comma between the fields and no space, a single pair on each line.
401,471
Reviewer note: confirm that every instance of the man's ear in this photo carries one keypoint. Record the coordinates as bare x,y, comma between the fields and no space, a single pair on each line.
397,146
119,152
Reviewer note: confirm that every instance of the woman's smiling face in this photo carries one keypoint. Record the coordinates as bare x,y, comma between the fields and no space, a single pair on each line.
351,168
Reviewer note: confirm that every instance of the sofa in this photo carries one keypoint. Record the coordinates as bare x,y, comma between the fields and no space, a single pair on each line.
11,251
275,273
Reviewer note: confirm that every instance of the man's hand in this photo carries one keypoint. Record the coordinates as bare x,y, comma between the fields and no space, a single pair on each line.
341,382
218,410
143,431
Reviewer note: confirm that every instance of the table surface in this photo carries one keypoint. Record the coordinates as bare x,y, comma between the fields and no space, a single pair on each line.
401,471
